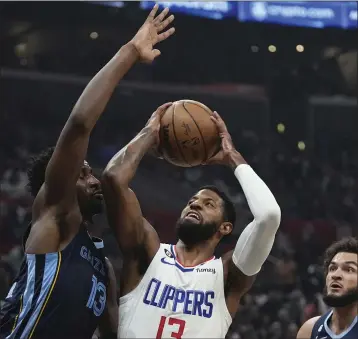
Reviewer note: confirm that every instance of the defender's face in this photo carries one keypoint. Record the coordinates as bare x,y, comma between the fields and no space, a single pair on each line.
89,191
342,274
205,207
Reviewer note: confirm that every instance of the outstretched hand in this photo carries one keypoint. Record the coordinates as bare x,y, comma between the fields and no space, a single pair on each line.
227,149
150,34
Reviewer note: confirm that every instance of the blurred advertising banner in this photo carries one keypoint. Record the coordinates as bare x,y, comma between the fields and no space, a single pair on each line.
317,14
207,9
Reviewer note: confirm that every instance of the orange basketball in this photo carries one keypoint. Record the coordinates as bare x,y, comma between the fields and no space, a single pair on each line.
188,137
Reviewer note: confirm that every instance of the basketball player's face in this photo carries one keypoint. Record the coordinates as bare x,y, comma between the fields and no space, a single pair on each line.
89,192
341,281
201,218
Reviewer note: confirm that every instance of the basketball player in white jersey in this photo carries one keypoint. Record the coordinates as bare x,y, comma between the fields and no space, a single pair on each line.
340,293
183,291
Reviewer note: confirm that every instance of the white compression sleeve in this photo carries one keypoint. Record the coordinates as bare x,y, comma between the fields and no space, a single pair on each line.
255,242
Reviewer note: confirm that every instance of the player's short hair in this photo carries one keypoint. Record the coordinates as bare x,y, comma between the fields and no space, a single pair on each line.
349,245
36,170
229,208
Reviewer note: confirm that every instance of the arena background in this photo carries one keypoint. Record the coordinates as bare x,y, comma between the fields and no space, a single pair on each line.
282,75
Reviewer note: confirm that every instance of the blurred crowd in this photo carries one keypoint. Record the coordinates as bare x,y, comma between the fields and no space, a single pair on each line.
317,195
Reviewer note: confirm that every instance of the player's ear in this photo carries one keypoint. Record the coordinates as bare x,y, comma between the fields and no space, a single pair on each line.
226,228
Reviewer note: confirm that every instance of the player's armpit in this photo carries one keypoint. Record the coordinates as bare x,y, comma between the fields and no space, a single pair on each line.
108,324
306,329
235,280
151,239
236,283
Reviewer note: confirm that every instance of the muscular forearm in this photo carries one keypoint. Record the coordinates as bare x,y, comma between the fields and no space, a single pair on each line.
96,95
124,164
256,241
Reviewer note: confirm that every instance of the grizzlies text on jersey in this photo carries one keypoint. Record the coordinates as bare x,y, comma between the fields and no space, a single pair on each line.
58,295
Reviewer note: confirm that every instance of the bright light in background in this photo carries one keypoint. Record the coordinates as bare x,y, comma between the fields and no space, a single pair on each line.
20,49
254,49
301,145
281,128
300,48
94,35
272,48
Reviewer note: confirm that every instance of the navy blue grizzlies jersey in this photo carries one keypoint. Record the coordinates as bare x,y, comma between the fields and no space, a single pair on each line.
321,329
58,295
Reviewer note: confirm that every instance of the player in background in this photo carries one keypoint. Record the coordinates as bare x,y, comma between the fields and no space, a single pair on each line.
340,293
182,291
66,287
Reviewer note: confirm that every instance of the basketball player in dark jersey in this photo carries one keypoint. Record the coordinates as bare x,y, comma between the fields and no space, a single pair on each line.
340,293
66,287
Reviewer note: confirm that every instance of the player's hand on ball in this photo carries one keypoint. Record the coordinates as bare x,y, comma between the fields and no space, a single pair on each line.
227,147
152,32
153,127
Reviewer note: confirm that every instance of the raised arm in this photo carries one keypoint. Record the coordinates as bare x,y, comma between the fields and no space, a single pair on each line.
64,167
124,213
65,164
256,241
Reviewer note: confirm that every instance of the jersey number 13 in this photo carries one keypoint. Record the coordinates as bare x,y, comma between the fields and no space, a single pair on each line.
180,324
97,298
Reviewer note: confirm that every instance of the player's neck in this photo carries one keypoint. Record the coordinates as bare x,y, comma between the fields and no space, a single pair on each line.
87,219
343,317
194,255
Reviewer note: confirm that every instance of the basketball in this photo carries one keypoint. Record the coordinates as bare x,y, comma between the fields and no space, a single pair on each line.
188,137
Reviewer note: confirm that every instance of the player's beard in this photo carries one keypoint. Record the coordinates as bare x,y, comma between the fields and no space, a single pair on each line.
95,206
348,298
91,206
191,233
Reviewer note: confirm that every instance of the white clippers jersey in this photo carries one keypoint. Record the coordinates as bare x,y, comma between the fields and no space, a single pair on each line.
174,301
